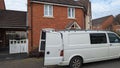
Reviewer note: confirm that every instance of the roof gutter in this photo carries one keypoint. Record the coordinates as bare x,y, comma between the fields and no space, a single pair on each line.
13,27
58,4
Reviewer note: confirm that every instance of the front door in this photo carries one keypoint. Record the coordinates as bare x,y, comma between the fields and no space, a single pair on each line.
53,48
114,49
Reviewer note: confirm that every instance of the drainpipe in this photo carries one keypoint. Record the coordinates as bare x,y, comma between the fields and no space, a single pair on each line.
84,25
31,26
30,21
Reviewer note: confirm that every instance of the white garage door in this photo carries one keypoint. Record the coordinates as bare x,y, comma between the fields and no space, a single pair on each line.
18,46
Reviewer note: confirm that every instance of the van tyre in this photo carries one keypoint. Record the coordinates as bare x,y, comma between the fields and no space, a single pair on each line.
75,62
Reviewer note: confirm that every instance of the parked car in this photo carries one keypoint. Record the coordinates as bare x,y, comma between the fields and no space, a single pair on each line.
76,47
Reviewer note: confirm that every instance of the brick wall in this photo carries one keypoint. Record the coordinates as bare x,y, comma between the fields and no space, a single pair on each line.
116,28
106,24
2,4
58,22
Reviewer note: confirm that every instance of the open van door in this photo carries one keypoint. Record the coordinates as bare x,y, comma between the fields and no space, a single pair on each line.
53,48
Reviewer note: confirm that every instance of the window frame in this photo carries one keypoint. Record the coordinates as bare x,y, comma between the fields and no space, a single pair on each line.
117,37
47,11
98,35
71,14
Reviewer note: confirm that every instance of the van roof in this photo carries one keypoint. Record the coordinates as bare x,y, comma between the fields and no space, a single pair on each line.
86,31
83,31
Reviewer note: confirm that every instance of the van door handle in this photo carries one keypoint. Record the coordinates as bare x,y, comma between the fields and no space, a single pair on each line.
48,52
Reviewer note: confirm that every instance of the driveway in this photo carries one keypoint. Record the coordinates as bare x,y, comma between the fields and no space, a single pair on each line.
22,63
38,63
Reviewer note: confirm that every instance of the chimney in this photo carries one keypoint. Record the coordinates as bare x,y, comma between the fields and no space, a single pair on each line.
2,5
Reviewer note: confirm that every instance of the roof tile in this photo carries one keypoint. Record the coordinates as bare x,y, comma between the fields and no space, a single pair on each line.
10,19
99,21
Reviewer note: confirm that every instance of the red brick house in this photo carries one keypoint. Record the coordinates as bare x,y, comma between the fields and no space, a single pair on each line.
103,23
56,14
116,28
107,23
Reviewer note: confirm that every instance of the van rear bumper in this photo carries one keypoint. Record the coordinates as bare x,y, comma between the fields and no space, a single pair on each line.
63,63
52,60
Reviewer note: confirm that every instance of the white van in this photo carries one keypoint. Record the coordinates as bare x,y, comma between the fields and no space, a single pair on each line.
76,47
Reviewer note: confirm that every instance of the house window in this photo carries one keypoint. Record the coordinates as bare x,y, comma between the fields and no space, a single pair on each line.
48,10
71,12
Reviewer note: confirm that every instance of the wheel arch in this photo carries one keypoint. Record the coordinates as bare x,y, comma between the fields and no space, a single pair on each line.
76,56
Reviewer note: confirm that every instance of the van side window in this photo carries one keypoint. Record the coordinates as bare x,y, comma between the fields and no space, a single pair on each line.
98,38
113,38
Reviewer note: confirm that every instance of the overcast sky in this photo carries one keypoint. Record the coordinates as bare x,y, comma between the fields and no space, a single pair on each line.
19,5
100,8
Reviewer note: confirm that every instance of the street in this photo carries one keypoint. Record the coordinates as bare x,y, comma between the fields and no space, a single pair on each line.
38,63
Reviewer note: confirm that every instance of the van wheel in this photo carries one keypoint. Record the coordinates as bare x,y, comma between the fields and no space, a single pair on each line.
75,62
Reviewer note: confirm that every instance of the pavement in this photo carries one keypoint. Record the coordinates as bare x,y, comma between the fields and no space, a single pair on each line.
38,63
6,56
22,63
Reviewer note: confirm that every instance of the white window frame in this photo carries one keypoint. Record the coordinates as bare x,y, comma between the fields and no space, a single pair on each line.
49,11
71,14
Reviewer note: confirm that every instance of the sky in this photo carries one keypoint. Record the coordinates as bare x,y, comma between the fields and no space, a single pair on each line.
100,8
18,5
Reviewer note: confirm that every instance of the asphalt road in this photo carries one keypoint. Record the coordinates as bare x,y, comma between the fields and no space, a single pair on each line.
103,64
38,63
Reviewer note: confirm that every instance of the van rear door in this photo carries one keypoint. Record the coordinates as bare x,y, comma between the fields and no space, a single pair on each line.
53,48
